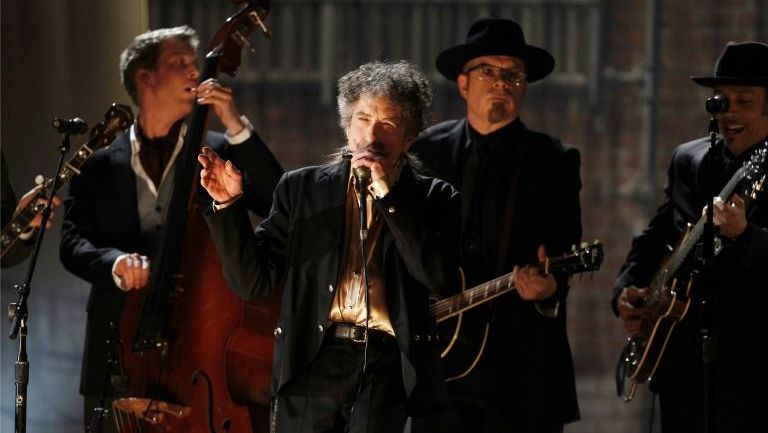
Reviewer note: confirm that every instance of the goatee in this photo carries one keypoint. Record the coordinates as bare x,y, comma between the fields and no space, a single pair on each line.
498,113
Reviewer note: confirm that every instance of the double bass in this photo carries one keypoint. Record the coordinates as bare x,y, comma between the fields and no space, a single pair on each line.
189,355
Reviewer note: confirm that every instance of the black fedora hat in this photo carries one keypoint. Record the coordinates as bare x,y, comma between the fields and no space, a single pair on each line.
496,37
741,63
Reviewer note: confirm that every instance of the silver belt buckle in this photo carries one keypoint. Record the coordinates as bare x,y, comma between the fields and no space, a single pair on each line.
354,335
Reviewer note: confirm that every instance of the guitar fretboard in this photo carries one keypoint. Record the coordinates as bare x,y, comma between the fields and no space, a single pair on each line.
662,279
586,259
455,304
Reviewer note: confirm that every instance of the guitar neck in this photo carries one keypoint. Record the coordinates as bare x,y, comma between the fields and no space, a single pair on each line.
467,299
453,305
681,252
24,217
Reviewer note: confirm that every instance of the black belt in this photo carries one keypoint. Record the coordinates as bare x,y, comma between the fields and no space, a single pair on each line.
346,331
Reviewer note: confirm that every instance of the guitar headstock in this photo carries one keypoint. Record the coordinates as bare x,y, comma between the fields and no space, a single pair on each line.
754,172
586,258
116,120
233,35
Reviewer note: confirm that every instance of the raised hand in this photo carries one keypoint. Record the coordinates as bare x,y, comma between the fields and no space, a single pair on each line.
220,178
212,92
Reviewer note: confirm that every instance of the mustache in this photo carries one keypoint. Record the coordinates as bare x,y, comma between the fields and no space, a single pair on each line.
374,147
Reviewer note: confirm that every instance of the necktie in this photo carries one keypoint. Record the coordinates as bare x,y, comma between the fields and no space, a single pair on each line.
469,182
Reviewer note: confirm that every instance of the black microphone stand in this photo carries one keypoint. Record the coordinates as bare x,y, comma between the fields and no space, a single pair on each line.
18,312
706,313
362,178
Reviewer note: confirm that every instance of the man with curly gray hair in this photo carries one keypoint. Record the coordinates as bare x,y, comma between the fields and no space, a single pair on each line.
355,347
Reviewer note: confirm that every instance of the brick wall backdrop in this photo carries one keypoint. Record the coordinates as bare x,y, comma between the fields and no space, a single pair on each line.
618,196
624,162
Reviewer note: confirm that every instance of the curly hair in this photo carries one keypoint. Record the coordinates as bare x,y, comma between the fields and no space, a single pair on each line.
143,52
399,81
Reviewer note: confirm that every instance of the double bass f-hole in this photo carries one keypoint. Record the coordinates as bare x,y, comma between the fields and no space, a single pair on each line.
226,423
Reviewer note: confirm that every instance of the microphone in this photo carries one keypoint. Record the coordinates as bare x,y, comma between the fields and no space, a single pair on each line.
717,104
362,179
74,126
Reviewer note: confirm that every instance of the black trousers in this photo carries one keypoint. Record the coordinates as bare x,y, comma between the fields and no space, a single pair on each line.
476,408
335,395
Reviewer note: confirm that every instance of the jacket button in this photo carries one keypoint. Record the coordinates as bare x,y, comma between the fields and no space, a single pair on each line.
321,328
277,331
391,209
330,288
416,337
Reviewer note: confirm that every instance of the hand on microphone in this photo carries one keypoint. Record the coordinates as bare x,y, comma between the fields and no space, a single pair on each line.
362,175
371,157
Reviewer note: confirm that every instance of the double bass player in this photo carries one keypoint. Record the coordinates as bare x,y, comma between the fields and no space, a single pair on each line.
116,205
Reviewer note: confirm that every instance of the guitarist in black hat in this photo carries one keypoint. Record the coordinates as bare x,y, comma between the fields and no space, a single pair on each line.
740,273
520,203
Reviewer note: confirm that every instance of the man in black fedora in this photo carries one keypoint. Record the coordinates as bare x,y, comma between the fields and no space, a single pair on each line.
510,368
739,375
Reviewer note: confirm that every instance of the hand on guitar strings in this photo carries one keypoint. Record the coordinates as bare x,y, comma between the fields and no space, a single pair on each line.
220,178
531,285
730,217
36,194
631,311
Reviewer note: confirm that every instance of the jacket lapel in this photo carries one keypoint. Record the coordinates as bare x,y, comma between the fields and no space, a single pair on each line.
120,154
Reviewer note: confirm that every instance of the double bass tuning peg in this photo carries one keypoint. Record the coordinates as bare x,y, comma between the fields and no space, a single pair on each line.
256,20
243,42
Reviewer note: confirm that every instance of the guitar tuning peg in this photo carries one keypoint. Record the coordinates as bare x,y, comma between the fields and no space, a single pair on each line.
39,179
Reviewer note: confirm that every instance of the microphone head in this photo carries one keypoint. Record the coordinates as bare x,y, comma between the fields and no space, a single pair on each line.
362,174
717,104
74,126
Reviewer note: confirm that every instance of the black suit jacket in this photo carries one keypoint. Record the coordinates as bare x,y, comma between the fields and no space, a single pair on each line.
528,351
299,246
101,222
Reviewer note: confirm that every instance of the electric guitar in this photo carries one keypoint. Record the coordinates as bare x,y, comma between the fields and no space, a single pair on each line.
116,120
454,334
668,297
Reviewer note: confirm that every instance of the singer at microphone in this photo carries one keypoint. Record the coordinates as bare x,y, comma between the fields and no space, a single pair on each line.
74,126
364,303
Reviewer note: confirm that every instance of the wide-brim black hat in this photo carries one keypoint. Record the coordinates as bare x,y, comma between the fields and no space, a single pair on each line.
741,63
496,37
